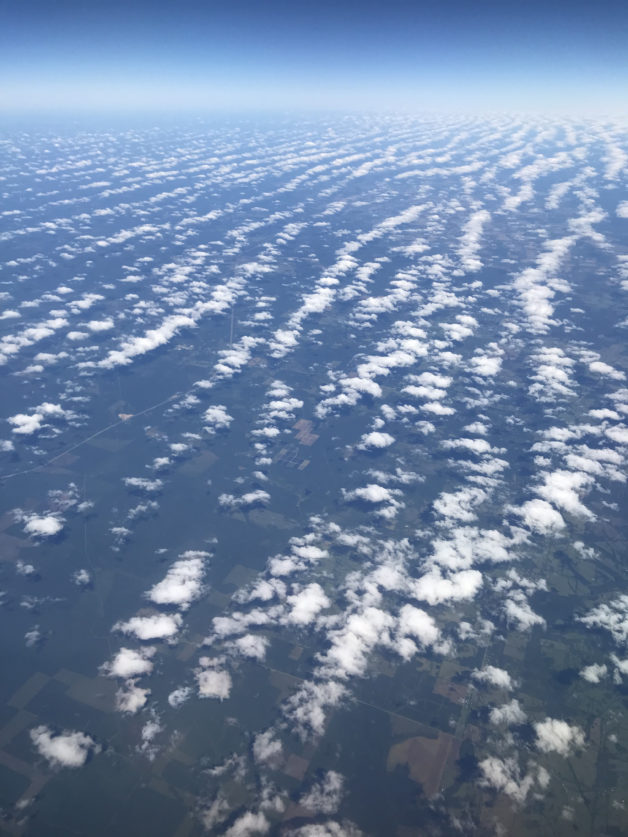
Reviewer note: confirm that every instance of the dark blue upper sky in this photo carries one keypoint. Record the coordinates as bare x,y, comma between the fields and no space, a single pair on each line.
274,54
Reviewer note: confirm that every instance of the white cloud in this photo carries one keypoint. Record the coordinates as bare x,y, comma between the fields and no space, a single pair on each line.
213,683
128,663
306,605
541,517
179,696
557,736
308,705
249,824
604,369
519,612
100,325
325,796
371,493
158,626
376,440
494,677
66,749
266,747
43,526
183,582
562,488
216,418
594,673
26,424
508,714
81,578
434,588
417,624
504,775
130,698
245,501
613,617
251,646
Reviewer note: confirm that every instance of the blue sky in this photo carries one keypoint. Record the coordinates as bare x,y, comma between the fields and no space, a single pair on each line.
269,54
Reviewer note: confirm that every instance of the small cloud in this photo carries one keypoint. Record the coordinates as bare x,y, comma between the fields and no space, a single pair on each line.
557,736
65,749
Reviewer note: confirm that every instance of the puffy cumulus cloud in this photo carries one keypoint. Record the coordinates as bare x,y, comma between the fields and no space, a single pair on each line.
148,342
459,505
434,588
245,501
148,734
12,344
179,696
81,578
414,624
504,775
216,418
612,617
213,683
306,604
100,325
437,409
325,796
239,623
268,432
425,392
308,706
484,365
467,545
537,286
383,499
376,441
143,484
508,714
282,341
43,526
65,749
352,643
552,375
26,424
622,209
469,246
621,668
266,747
617,434
541,517
594,673
562,488
183,582
557,736
249,824
251,646
352,390
494,677
327,829
128,663
464,327
146,628
519,613
282,408
371,493
479,446
130,698
434,380
606,370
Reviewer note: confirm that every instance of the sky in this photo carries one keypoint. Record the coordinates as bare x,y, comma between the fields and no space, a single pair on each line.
275,55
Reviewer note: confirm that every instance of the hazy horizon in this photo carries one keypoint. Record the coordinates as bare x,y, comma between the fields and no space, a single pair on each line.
397,56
